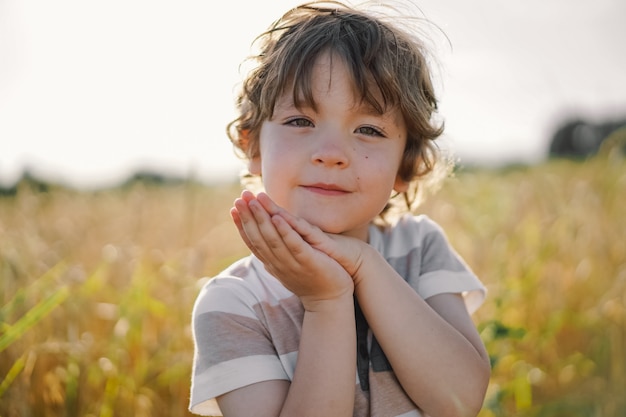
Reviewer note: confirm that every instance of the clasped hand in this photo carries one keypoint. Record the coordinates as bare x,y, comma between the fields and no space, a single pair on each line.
314,265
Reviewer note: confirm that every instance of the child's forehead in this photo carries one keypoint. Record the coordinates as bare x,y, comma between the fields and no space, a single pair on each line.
287,100
331,71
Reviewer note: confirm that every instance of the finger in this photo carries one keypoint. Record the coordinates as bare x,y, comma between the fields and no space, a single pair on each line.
269,204
247,227
247,195
309,232
284,223
234,214
273,241
253,228
291,238
285,243
315,237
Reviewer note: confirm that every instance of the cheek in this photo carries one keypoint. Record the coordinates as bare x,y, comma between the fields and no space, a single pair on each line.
382,163
378,174
279,165
276,157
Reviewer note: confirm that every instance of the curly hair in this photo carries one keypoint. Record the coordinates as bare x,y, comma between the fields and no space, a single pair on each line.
388,65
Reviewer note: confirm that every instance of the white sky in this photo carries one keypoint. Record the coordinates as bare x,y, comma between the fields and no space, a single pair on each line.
90,90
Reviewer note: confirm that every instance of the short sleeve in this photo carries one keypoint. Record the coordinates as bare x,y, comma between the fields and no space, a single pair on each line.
418,249
232,347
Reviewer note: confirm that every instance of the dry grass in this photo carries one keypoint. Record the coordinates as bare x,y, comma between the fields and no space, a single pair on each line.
96,290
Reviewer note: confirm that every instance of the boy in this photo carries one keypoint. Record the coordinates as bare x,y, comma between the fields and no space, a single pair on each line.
338,312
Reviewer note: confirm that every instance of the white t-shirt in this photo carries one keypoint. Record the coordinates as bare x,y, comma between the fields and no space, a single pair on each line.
247,326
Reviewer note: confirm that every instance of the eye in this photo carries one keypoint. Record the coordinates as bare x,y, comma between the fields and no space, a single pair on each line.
370,131
299,122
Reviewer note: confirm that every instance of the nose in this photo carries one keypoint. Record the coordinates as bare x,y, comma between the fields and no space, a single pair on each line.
330,152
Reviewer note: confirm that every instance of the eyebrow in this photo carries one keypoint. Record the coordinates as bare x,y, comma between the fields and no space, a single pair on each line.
367,108
287,101
284,101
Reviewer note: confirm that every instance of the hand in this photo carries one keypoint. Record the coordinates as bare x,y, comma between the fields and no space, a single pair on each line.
347,251
304,269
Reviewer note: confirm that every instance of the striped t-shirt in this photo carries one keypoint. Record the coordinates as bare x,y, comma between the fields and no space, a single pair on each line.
247,326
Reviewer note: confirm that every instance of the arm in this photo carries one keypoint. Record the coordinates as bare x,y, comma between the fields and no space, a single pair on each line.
432,345
324,379
325,376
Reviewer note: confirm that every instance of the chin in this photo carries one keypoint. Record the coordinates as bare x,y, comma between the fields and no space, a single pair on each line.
332,223
333,230
329,228
341,229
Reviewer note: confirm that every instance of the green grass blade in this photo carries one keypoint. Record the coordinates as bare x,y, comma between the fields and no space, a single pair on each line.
32,317
22,293
15,370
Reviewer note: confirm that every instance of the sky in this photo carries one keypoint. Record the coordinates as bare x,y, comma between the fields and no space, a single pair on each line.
93,91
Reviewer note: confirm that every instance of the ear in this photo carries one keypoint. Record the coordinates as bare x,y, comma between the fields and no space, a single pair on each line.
400,185
254,165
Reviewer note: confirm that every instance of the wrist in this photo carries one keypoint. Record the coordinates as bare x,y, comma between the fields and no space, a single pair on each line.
368,254
330,305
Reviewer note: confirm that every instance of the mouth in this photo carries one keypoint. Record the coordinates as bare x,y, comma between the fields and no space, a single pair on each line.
325,189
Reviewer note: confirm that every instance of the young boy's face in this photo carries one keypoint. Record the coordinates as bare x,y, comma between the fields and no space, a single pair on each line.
335,166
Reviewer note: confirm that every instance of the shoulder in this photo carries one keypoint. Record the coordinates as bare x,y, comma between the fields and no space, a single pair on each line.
408,233
419,224
239,288
220,291
418,249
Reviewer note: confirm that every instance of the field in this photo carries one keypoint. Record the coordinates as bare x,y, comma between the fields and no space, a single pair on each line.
96,289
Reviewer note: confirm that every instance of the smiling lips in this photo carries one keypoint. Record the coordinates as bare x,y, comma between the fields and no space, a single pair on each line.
325,189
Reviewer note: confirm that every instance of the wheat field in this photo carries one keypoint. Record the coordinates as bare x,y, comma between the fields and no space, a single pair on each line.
97,287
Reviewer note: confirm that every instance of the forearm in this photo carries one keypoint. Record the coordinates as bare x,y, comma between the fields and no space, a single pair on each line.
325,376
439,368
